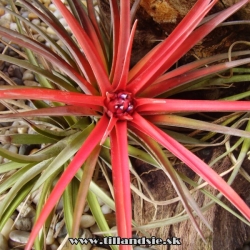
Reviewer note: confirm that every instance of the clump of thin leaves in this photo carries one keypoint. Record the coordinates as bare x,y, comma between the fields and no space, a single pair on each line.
93,111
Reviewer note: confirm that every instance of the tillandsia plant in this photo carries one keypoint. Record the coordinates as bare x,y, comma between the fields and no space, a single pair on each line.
102,105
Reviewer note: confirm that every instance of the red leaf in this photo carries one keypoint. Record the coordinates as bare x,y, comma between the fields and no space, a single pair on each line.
149,68
195,163
9,92
88,146
54,111
163,86
165,106
125,70
124,32
121,180
96,60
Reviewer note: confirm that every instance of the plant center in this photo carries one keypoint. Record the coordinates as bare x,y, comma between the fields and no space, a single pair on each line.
119,104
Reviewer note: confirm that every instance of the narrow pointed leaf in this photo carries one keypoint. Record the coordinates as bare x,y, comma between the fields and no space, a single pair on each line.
53,111
88,170
160,55
96,60
87,147
54,23
184,122
50,56
195,163
124,74
177,183
123,42
22,93
169,84
164,106
121,181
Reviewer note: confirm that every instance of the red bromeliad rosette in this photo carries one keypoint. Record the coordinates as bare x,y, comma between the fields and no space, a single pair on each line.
122,99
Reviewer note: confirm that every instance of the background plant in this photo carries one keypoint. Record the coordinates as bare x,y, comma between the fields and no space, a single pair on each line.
101,111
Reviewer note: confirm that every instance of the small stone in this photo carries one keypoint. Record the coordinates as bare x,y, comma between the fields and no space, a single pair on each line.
7,16
6,24
114,229
50,237
54,246
13,53
68,29
30,83
63,21
59,205
3,243
2,12
47,44
28,75
18,238
25,14
23,224
53,36
33,151
61,229
100,201
6,146
22,130
25,149
52,7
13,149
106,209
86,233
40,38
16,46
36,21
57,14
13,130
62,45
86,208
16,80
46,3
87,221
13,26
32,16
7,228
15,71
50,31
43,26
26,210
94,229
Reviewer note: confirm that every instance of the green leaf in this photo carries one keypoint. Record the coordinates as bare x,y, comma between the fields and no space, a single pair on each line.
8,183
29,175
98,215
19,197
27,139
40,71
